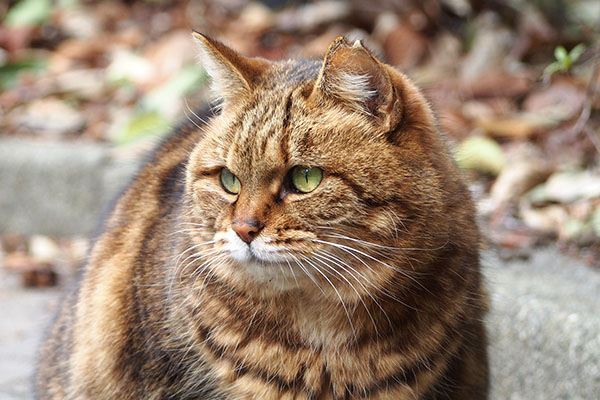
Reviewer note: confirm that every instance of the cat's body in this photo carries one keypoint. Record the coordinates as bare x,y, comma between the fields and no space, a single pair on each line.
217,278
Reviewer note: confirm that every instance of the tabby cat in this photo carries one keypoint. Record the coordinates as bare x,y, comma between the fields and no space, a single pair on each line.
312,240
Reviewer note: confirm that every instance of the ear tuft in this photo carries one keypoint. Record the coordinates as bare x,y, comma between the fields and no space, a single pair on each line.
354,77
232,74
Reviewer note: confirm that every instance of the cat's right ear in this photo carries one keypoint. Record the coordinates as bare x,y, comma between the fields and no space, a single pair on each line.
233,75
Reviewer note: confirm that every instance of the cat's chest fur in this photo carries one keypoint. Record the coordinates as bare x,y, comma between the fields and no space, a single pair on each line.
298,348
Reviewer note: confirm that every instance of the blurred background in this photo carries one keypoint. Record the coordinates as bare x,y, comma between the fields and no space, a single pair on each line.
88,88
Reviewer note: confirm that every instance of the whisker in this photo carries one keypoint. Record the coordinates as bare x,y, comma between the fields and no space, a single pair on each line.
193,223
187,106
307,273
189,249
349,249
338,295
292,270
185,230
360,298
342,264
366,243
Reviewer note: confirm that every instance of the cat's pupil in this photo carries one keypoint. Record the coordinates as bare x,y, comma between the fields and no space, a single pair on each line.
306,179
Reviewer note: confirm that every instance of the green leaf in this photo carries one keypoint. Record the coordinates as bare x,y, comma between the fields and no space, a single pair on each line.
141,125
28,12
173,90
552,68
480,154
576,52
9,73
560,53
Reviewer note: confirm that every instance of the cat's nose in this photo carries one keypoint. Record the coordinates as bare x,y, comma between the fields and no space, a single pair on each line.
247,230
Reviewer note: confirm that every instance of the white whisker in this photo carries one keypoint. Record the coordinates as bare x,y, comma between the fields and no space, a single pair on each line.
360,298
349,250
316,268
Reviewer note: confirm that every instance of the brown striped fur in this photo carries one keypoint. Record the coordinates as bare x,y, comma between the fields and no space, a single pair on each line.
368,287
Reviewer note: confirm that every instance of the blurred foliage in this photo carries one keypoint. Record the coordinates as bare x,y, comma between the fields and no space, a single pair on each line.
29,12
142,125
11,72
482,154
149,120
564,61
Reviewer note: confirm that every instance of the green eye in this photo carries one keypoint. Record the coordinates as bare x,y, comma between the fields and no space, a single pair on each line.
306,179
230,182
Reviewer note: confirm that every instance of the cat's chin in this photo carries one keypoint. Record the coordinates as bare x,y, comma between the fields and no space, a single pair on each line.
263,263
269,275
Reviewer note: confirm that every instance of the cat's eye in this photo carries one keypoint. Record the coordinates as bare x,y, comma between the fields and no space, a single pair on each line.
306,179
229,182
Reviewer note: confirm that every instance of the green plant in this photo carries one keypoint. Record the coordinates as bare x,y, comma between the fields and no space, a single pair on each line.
564,59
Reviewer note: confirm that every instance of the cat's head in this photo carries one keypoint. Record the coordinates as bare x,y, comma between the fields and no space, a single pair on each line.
315,174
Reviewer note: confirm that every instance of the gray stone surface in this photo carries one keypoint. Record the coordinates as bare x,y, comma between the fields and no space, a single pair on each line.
57,188
24,316
544,329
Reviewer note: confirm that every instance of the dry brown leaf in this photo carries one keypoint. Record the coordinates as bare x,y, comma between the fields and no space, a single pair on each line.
498,83
516,178
404,47
561,101
518,126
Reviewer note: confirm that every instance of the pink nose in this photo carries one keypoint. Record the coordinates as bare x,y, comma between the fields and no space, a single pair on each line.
247,230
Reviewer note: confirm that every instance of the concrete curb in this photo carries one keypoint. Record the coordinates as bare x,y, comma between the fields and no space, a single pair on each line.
544,328
58,188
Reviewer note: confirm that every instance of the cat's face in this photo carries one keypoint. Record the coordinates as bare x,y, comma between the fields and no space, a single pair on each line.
296,190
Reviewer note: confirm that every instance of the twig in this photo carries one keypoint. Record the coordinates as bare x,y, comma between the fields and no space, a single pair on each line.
595,140
587,105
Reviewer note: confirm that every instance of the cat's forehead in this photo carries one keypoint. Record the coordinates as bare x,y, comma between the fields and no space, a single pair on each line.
276,130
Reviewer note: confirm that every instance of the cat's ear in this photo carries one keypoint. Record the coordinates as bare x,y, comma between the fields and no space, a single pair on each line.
233,75
353,76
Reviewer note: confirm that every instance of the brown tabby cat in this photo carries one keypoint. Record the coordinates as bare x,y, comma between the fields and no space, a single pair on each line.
313,240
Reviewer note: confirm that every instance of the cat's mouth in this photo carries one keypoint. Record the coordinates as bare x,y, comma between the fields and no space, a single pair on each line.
259,251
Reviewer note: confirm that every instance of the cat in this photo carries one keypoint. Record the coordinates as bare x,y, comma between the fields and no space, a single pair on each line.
311,239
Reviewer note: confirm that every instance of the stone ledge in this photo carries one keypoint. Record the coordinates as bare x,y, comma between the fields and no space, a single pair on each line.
58,188
544,328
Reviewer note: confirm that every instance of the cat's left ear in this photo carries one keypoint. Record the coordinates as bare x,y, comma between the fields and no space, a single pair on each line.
233,75
353,76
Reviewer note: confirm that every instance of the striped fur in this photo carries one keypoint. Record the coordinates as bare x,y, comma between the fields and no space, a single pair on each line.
366,288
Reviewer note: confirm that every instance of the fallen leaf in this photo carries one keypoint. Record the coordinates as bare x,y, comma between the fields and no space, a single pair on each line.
11,72
43,249
28,12
497,83
256,17
595,221
309,16
545,219
404,46
480,154
517,126
567,187
41,275
47,116
516,178
168,56
559,102
142,125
